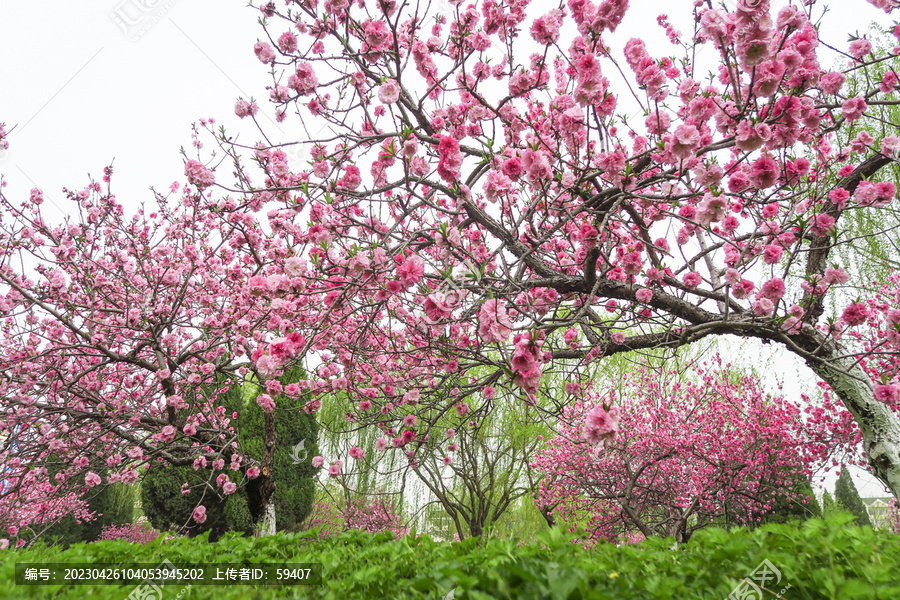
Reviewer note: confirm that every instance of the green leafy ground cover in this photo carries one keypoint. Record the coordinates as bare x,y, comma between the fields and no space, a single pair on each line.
818,559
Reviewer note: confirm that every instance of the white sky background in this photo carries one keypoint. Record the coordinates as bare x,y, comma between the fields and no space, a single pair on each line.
83,92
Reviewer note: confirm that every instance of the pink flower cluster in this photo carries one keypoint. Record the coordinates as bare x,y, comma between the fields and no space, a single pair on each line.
135,533
198,174
493,322
526,362
601,426
271,358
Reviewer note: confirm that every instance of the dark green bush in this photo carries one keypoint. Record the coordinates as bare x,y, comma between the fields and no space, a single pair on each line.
169,510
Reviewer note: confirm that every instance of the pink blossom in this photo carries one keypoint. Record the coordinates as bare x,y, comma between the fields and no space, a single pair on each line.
409,420
357,453
377,34
449,159
411,271
855,314
229,488
437,307
287,42
711,209
166,435
889,82
545,29
389,92
351,179
853,108
860,47
617,337
304,80
512,168
317,461
763,307
692,280
764,172
200,514
242,108
879,194
831,83
684,141
266,402
91,479
381,444
489,392
334,470
772,254
773,289
835,275
497,185
264,52
600,426
644,295
886,393
253,472
493,322
198,174
821,224
890,146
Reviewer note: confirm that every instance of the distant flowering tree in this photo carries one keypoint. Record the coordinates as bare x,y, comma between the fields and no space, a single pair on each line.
373,515
676,454
136,533
472,192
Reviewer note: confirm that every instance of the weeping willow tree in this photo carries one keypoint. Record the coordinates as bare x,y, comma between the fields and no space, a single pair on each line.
870,257
376,479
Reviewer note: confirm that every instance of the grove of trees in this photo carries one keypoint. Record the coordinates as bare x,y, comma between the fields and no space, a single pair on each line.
481,215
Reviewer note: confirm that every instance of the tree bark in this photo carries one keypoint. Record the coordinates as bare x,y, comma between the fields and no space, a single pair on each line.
266,522
879,426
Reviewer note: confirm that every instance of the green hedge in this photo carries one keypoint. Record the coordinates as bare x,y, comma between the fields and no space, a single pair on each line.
818,559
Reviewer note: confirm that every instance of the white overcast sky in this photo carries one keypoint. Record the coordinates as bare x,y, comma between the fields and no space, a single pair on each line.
84,88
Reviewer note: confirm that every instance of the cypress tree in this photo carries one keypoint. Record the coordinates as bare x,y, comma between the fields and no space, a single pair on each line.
828,505
786,509
848,499
168,509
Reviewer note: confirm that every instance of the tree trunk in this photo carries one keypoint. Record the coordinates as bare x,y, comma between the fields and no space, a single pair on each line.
266,523
878,424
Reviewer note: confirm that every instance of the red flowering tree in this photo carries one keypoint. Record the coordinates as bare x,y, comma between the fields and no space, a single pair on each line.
678,452
473,214
463,201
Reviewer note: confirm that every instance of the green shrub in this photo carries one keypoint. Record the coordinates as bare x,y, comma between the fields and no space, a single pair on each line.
829,559
168,509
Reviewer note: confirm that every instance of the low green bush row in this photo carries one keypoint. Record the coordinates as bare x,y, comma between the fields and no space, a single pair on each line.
816,559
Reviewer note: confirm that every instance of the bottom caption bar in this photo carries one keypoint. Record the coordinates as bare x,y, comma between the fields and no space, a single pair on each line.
168,573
